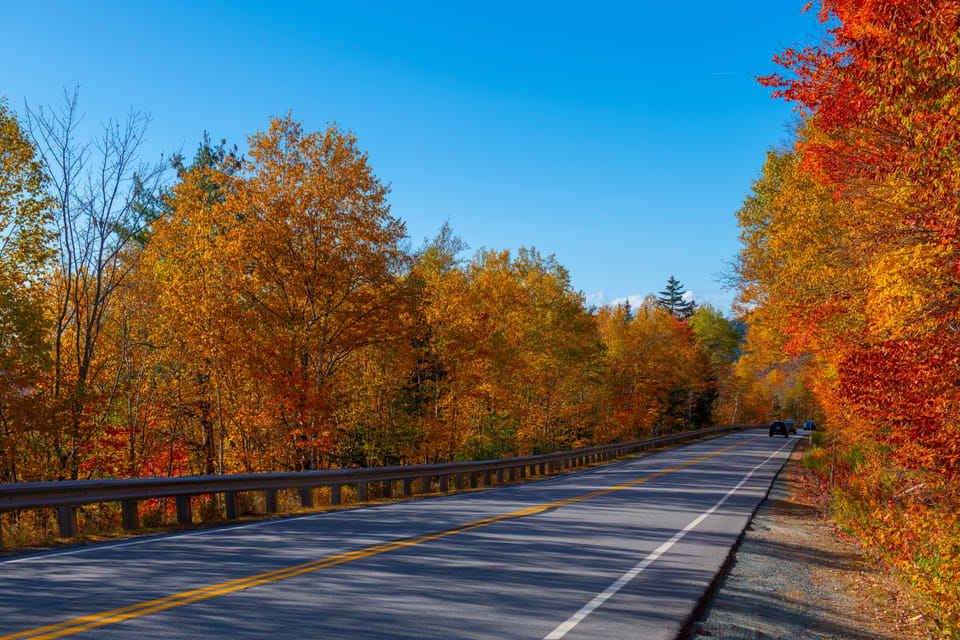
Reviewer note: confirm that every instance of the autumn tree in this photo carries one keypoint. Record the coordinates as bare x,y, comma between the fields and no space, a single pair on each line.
99,188
296,255
656,373
418,421
541,353
25,253
186,341
719,340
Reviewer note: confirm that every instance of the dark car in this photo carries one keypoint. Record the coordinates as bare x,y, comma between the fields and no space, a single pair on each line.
809,425
791,425
779,427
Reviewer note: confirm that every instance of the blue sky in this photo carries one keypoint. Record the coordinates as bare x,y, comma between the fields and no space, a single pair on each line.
619,136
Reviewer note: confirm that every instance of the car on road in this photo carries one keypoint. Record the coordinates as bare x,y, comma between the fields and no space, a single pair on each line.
791,425
779,427
809,425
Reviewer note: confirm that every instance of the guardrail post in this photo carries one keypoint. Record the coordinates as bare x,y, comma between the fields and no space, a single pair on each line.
499,477
306,497
543,468
230,504
67,519
444,483
184,514
522,470
334,494
362,492
512,474
386,489
408,487
270,500
458,481
129,516
474,479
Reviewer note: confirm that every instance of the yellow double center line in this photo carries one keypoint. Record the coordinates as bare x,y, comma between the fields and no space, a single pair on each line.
93,621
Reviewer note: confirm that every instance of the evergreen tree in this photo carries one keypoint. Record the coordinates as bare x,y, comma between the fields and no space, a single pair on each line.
672,300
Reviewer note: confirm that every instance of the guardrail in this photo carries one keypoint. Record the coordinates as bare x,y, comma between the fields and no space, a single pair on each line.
66,496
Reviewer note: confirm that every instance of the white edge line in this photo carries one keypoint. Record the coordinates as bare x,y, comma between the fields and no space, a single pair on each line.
571,622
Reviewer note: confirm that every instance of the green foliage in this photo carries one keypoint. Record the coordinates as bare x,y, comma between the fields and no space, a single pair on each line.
716,335
818,437
495,438
815,460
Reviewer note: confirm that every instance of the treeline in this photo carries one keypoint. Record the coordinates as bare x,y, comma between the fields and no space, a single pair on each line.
261,314
851,274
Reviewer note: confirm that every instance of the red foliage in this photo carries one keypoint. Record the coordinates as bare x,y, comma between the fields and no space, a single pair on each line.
886,91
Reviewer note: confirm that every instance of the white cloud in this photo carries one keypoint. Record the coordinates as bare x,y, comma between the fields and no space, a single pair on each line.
717,298
596,299
635,301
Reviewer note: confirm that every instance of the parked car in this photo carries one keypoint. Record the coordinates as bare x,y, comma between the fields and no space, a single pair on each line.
779,427
809,425
791,425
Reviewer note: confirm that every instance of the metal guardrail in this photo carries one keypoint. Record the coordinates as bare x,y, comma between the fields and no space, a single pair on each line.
66,496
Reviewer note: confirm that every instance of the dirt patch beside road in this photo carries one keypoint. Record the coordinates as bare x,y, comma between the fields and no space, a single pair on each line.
795,576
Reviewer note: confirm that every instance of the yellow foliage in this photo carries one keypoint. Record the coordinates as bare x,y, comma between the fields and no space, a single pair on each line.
906,287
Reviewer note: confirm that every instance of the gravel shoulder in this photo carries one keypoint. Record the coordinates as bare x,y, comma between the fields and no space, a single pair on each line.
795,576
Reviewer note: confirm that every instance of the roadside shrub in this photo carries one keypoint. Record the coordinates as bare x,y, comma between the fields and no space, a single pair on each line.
817,460
817,438
910,519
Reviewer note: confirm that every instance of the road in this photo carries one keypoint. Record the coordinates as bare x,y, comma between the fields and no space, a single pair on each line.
619,551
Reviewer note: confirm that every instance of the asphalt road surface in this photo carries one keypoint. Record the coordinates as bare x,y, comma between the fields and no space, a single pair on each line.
625,550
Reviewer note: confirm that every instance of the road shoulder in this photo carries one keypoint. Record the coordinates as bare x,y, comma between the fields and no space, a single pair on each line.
794,575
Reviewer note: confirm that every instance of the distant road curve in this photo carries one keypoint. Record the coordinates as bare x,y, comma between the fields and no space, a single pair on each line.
619,551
